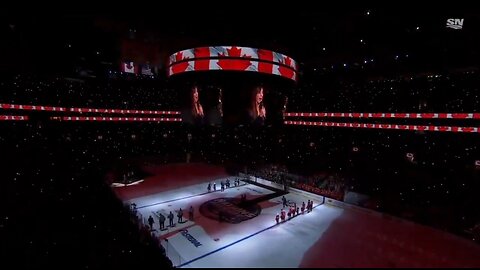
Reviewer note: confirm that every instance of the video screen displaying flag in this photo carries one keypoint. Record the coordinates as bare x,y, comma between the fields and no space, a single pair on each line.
232,58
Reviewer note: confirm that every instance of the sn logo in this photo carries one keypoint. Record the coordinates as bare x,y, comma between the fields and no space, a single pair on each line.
455,23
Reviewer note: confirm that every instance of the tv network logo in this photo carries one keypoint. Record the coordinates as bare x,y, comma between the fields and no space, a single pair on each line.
455,23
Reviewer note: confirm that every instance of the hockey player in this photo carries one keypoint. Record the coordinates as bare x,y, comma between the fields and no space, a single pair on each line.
161,220
170,219
284,201
277,218
180,215
190,213
150,222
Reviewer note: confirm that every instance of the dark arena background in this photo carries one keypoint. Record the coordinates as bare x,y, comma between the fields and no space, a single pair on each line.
332,138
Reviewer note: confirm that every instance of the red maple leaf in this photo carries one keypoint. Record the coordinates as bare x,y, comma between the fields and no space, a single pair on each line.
288,61
179,57
235,52
179,66
233,64
285,71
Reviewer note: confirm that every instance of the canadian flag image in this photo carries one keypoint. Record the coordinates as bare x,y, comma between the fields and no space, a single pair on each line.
129,67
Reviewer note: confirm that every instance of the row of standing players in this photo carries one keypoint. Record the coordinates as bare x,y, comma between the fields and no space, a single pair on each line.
223,185
292,210
170,216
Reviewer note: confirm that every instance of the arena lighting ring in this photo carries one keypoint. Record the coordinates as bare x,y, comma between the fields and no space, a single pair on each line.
233,58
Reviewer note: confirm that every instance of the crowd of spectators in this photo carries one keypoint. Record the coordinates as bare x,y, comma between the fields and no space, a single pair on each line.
123,92
454,91
321,183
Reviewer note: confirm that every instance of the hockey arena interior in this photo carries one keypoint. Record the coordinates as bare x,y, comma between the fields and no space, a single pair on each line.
349,138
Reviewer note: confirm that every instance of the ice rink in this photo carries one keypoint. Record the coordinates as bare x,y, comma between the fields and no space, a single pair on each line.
331,235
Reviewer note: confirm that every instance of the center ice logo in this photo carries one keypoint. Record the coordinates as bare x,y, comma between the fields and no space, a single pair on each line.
231,210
